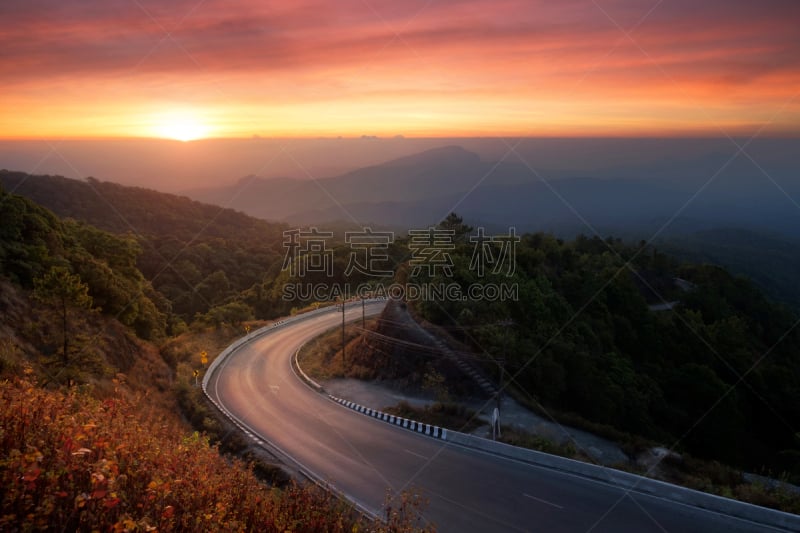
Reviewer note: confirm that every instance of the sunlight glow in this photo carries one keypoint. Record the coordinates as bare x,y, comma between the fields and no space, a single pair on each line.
181,126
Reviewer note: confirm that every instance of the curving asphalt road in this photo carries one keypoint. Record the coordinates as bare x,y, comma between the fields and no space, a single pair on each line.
467,490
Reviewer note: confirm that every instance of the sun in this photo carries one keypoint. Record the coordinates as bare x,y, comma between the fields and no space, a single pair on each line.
181,126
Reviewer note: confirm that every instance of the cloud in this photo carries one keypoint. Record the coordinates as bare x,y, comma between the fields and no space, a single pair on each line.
290,52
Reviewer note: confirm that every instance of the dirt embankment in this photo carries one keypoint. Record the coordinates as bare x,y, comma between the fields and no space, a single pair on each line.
404,356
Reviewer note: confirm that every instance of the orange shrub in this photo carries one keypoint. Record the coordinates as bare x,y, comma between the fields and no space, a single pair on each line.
76,463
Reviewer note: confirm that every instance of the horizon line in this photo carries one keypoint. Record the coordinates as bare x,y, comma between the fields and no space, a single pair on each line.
366,137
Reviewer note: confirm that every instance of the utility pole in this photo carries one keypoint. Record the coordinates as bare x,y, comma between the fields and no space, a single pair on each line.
502,360
343,332
502,363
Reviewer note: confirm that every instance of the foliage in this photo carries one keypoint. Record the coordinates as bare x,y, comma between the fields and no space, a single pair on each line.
446,415
99,346
194,254
233,313
321,358
455,224
33,241
184,355
516,437
114,465
717,375
272,293
67,293
433,381
107,263
771,261
716,478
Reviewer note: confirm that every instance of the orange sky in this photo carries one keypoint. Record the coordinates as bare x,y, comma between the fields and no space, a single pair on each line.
193,68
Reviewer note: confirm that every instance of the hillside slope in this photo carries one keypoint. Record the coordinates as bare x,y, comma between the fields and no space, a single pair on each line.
197,255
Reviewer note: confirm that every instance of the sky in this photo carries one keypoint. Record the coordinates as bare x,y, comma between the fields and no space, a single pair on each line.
193,69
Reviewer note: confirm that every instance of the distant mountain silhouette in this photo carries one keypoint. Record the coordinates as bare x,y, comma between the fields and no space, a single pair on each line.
419,190
740,220
410,182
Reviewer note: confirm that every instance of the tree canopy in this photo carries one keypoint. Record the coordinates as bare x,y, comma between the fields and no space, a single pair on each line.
62,258
716,371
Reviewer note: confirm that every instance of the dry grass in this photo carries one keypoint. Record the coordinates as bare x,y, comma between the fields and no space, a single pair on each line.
321,358
113,465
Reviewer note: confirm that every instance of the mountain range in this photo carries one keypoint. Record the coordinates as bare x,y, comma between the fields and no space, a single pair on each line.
420,190
708,208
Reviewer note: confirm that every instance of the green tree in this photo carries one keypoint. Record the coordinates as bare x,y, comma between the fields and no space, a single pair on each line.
215,288
234,313
456,224
29,237
66,292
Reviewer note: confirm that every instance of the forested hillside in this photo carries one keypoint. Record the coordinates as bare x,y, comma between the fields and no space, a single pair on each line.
772,261
718,374
64,260
90,434
197,256
619,334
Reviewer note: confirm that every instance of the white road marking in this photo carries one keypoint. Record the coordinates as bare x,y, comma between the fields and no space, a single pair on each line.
275,389
415,454
542,501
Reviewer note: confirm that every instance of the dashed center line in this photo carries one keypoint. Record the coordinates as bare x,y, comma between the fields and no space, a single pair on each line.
415,454
542,501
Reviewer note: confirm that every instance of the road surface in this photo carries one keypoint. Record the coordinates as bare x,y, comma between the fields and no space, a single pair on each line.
466,490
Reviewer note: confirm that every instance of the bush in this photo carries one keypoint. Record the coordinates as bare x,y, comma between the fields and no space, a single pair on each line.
118,466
